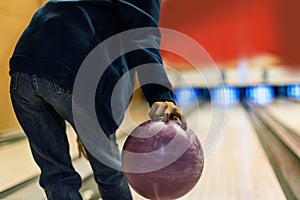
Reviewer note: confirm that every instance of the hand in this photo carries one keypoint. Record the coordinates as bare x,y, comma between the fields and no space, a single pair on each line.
81,149
167,110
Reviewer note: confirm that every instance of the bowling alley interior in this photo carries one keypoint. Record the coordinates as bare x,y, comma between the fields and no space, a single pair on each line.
234,67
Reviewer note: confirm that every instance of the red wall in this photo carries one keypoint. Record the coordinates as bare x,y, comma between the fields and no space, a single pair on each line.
237,28
288,30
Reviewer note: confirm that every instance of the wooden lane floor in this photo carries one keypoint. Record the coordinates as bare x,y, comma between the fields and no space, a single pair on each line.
286,112
17,166
237,167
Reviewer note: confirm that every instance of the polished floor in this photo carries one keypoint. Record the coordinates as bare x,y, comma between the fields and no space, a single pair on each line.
236,166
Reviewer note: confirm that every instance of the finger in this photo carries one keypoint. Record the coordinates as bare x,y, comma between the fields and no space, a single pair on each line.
177,119
177,115
153,109
167,113
158,114
180,119
183,122
170,109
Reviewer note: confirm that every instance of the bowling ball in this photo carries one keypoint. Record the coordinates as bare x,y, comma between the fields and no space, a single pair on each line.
162,161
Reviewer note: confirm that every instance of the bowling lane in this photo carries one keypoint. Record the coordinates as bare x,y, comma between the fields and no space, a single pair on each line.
286,112
237,167
12,173
17,166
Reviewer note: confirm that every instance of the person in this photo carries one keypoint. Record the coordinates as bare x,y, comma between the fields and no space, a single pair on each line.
43,70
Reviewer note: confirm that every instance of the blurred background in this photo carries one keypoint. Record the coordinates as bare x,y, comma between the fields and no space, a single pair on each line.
256,35
255,45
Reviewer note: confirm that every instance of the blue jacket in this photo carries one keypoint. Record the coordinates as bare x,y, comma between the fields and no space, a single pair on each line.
61,35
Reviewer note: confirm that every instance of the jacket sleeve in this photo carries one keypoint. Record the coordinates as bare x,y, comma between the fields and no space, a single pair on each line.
153,78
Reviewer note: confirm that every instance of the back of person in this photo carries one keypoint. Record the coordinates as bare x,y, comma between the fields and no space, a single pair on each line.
43,69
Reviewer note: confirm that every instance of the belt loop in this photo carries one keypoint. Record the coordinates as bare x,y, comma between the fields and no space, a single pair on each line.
35,83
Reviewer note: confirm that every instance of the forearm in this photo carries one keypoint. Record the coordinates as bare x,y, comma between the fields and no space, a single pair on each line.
153,78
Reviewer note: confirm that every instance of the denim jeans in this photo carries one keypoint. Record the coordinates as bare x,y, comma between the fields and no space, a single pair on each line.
42,106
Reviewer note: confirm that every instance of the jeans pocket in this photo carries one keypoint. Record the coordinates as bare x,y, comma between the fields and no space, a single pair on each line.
14,81
60,89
